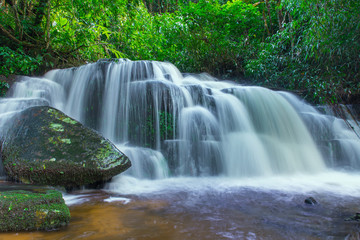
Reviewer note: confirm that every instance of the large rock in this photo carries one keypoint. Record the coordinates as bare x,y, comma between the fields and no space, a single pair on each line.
44,146
38,209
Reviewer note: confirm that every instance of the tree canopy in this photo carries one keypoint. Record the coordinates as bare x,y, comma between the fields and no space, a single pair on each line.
307,46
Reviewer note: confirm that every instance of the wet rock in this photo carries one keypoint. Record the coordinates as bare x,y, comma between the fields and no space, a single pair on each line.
38,209
310,201
353,236
152,115
44,146
356,217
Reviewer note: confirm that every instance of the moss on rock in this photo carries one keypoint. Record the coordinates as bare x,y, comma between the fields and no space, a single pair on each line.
40,209
44,146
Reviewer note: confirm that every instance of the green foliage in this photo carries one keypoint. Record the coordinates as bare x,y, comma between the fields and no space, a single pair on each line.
140,36
316,51
206,36
217,36
4,86
17,62
86,29
307,46
194,37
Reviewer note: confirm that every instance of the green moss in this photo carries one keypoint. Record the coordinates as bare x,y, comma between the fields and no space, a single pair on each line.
69,120
104,152
108,158
53,112
63,173
51,140
58,115
57,127
57,141
39,209
65,140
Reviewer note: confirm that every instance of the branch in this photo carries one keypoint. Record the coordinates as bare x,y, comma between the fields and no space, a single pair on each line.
74,50
9,35
63,55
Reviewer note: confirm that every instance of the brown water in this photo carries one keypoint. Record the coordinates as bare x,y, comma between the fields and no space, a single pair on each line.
245,214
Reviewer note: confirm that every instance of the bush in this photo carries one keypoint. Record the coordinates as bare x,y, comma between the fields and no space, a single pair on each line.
17,62
316,51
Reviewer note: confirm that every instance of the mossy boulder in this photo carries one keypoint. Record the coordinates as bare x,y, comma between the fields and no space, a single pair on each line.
45,146
41,209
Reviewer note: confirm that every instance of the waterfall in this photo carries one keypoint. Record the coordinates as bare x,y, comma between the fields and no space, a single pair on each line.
170,124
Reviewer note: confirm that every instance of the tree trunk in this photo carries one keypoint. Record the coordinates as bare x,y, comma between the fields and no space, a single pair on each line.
280,16
265,24
47,31
269,14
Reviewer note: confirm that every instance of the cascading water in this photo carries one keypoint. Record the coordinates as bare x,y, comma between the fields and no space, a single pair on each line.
210,159
175,125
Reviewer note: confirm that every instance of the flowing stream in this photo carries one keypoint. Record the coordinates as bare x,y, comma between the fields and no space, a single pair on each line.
211,159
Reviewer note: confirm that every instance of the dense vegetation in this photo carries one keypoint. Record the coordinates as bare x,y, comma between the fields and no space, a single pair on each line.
309,46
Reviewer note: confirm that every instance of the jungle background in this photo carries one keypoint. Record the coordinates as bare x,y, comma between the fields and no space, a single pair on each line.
310,47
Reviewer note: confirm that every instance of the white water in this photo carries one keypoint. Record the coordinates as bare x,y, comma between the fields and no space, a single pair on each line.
174,128
332,183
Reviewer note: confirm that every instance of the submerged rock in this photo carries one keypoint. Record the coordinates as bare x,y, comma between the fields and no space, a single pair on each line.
44,146
41,209
310,201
